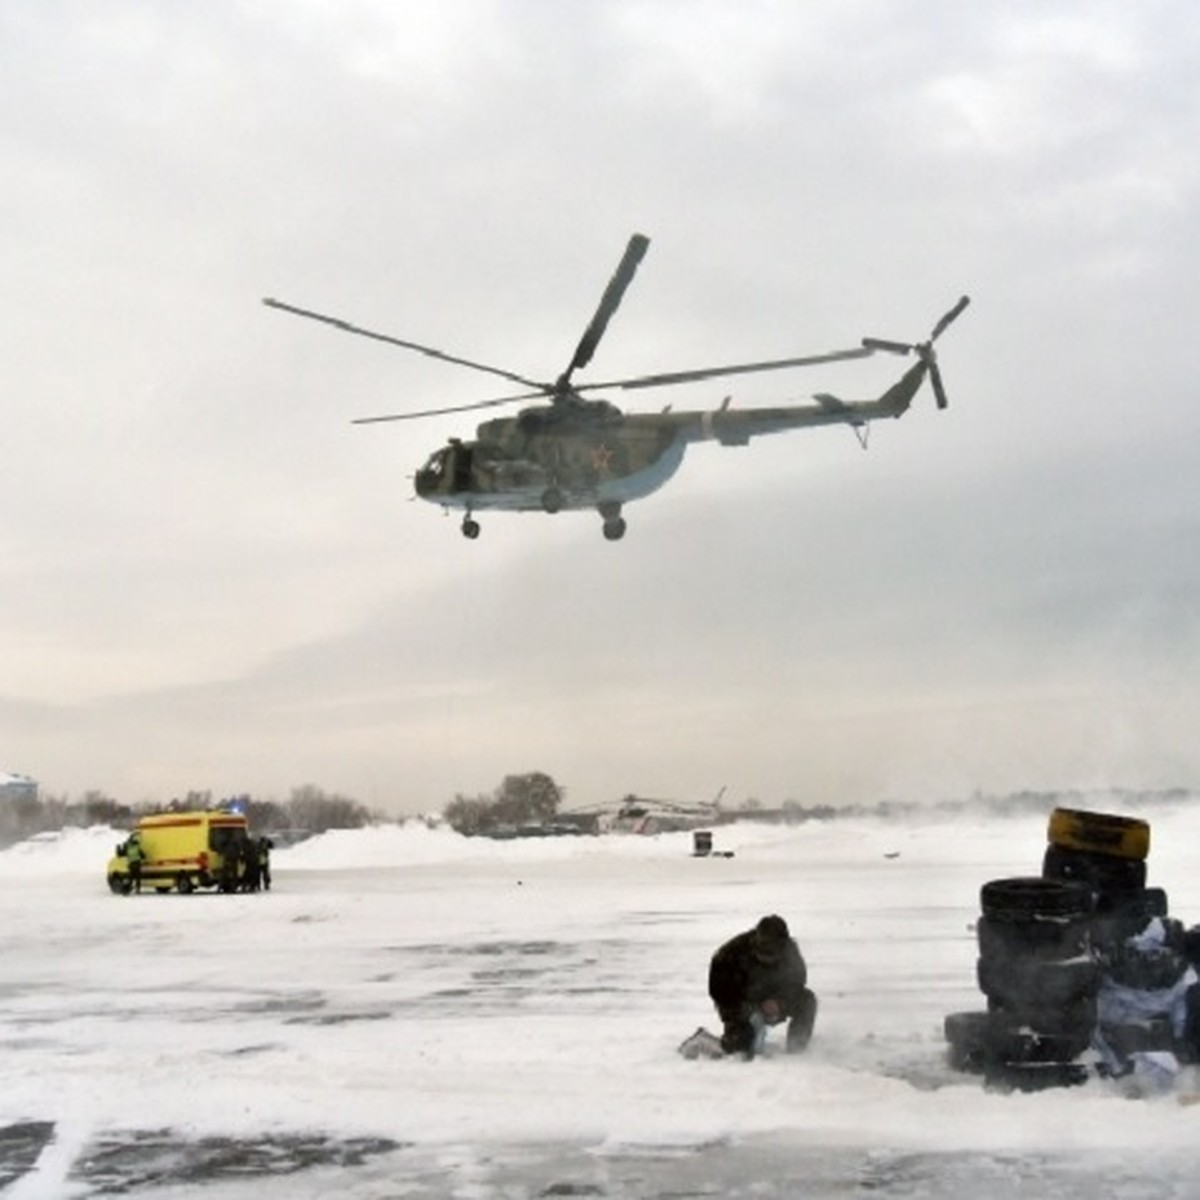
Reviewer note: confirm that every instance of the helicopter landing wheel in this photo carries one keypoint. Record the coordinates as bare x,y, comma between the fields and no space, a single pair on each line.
552,500
614,528
470,528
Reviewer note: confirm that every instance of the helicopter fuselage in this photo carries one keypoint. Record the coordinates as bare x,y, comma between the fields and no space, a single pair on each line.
587,454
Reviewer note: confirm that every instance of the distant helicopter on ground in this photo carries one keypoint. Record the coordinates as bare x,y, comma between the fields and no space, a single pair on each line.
574,453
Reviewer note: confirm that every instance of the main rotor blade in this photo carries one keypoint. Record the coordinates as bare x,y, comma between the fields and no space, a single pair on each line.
634,253
428,351
939,392
671,377
452,408
940,327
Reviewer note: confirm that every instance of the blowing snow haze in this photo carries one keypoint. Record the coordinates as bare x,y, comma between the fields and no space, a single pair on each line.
209,579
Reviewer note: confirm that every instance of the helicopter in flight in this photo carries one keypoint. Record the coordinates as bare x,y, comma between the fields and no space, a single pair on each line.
572,452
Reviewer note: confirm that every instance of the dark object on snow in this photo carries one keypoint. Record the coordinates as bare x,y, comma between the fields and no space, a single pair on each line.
701,1044
760,978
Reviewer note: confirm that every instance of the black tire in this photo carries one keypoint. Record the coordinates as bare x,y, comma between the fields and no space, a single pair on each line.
967,1027
1100,872
970,1041
1142,904
119,885
1075,1023
1031,1046
1034,985
1034,1076
1044,939
978,1042
1076,829
183,883
1027,897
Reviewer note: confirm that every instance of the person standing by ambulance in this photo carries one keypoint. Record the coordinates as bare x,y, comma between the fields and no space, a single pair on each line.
135,856
263,847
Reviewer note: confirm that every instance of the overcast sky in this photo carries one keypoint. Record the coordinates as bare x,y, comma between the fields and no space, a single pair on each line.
210,579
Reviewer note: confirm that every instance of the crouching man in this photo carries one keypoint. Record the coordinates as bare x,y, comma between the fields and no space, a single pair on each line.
758,979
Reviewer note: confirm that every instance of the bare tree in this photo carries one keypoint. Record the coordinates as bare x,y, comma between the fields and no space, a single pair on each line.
529,799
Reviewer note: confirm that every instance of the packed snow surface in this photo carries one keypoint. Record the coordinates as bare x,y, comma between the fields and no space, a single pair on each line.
409,1012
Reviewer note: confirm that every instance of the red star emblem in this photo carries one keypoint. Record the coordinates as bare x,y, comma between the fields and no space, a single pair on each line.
601,458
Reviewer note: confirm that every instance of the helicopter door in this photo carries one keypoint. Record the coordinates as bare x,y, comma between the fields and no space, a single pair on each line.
460,468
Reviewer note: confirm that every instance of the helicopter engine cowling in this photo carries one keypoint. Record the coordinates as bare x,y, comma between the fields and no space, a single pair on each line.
712,427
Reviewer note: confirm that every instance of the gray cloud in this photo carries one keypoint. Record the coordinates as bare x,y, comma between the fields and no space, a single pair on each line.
208,578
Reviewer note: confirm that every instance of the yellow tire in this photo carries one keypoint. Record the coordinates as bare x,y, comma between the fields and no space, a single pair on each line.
1099,833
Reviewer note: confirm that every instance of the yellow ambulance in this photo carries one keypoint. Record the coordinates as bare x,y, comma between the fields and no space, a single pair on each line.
181,850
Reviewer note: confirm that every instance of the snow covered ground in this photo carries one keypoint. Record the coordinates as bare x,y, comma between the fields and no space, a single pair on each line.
413,1014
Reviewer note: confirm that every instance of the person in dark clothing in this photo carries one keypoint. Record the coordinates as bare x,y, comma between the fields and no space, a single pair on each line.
135,856
248,852
231,865
264,862
757,979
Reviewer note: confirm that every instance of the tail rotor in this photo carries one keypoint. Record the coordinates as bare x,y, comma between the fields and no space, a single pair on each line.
924,350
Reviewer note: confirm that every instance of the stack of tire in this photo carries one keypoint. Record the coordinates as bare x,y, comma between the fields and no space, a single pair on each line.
1108,854
1050,946
1039,976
